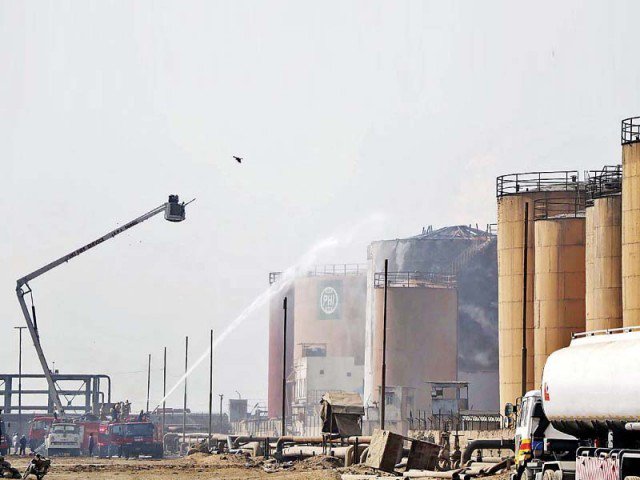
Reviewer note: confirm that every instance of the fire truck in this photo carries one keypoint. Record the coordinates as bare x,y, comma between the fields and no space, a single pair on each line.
4,437
38,431
129,439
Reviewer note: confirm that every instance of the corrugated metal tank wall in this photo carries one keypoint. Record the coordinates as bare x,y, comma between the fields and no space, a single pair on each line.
339,326
603,287
514,191
559,307
421,330
630,229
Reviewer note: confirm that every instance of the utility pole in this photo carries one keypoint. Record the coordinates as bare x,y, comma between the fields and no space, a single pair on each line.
221,397
283,426
383,399
164,389
20,380
148,382
184,406
210,383
524,299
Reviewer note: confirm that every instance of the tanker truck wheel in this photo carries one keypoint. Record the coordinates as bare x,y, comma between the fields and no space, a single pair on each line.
552,475
631,477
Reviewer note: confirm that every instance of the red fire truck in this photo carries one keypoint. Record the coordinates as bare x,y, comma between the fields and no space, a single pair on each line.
4,438
129,439
38,431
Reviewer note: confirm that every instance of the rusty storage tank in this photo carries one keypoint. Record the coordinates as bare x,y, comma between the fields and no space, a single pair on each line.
422,327
513,192
603,282
276,342
631,222
469,253
559,292
330,312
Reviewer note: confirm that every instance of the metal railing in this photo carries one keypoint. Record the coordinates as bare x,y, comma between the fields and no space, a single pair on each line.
549,208
415,279
560,180
466,421
337,269
630,130
603,183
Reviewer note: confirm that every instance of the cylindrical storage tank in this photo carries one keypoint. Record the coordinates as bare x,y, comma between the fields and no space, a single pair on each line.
514,191
594,384
330,315
631,222
559,306
422,326
603,282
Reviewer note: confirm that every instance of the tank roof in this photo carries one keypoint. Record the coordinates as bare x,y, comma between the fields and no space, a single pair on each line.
455,231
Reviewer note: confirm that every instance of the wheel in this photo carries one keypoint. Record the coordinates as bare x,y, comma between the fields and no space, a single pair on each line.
631,477
528,474
549,475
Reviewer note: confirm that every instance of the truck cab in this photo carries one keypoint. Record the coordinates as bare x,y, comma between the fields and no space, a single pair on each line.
542,452
64,438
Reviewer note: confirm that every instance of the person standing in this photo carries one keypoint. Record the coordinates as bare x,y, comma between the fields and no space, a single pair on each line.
23,445
16,444
92,444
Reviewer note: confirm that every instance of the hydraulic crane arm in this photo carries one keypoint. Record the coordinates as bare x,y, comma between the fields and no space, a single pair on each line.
174,212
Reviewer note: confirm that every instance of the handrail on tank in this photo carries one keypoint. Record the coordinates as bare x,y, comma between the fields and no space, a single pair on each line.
603,183
328,269
415,279
630,130
608,331
552,208
559,180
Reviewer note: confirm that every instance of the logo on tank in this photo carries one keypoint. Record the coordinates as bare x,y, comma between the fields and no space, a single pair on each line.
329,300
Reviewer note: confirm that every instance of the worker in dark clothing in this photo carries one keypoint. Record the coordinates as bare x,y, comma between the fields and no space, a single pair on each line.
23,445
141,416
92,444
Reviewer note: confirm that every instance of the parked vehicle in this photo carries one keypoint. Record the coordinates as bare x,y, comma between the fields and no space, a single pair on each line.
129,439
38,431
585,422
64,438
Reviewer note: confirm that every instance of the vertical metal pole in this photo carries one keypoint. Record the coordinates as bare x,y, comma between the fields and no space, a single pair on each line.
164,391
210,383
148,382
383,399
283,425
524,299
184,405
20,380
221,395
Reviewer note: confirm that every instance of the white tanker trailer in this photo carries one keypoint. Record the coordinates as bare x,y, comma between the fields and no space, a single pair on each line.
585,422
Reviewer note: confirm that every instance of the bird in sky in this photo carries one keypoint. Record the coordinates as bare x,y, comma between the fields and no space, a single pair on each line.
238,159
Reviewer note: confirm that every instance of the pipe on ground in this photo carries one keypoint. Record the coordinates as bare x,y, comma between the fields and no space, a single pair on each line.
303,440
486,443
364,455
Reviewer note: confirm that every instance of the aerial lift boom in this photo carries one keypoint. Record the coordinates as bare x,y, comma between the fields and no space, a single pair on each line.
173,212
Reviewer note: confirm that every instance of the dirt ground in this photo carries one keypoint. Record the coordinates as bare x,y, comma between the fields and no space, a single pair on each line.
223,467
198,466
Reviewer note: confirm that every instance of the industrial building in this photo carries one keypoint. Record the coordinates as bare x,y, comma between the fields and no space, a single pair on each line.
442,327
325,338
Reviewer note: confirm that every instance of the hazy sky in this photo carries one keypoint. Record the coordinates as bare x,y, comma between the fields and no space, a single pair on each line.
341,109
